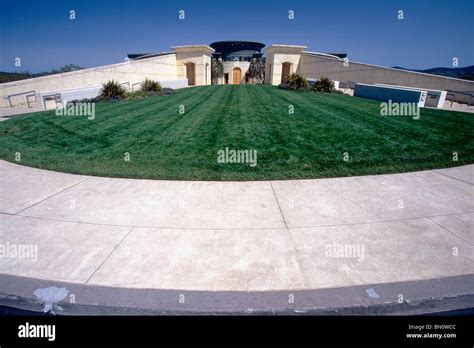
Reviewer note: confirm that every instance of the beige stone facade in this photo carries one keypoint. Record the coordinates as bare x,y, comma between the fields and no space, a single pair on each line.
194,63
282,60
185,61
191,66
235,72
279,57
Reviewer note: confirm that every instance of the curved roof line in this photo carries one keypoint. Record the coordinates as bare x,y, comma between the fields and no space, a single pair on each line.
147,55
323,54
244,41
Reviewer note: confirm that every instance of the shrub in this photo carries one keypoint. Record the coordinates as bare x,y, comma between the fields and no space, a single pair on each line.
112,90
150,86
324,84
167,91
297,82
143,94
136,95
85,100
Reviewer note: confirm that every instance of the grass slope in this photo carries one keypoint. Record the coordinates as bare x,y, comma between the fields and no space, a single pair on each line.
308,144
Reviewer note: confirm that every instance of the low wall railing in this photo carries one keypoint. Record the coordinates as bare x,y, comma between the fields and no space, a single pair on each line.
27,95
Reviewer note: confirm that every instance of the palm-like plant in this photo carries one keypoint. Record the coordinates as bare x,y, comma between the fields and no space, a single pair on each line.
150,86
324,84
111,90
297,82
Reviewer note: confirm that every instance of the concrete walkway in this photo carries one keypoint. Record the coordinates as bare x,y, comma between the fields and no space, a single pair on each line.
238,236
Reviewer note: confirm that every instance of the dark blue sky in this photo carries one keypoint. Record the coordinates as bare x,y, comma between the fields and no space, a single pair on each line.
40,32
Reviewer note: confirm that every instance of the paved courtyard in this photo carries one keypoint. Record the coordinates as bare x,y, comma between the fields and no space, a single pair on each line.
238,236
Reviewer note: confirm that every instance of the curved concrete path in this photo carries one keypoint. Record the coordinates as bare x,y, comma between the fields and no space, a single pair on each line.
239,236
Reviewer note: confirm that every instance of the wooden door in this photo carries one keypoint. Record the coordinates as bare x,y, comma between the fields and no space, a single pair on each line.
236,76
285,72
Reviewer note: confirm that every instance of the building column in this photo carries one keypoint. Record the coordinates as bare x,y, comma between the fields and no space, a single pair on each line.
276,55
200,56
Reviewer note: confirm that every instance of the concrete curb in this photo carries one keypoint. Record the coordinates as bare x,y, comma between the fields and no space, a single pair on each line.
419,297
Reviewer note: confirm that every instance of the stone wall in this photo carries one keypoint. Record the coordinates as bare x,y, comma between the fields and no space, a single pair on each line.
166,67
313,65
161,68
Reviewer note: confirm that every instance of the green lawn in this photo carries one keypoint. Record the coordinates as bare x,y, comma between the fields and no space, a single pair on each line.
308,144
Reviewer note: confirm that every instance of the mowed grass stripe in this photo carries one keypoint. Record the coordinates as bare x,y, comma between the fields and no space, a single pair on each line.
164,144
399,132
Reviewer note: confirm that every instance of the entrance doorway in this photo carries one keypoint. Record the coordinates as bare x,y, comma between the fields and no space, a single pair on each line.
226,78
236,76
190,74
285,72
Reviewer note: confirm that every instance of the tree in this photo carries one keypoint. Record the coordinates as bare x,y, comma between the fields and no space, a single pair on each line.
67,68
257,70
217,70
